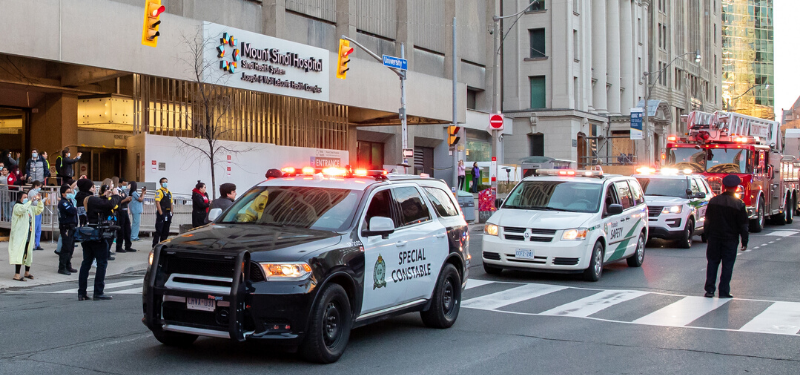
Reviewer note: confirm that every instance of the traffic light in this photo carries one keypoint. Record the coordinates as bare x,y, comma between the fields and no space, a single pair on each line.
344,58
452,132
152,19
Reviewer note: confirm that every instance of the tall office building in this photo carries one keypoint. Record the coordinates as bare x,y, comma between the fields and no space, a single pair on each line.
748,60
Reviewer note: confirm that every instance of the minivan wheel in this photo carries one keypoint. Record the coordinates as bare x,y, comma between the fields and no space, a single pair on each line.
595,270
638,256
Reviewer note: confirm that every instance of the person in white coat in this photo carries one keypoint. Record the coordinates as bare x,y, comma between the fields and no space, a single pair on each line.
20,244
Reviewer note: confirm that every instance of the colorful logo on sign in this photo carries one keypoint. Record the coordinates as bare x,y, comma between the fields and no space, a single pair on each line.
228,65
379,275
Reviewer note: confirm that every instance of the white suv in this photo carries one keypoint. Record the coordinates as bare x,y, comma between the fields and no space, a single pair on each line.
569,222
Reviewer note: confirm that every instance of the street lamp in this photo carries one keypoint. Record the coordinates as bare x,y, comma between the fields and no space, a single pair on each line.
648,90
729,100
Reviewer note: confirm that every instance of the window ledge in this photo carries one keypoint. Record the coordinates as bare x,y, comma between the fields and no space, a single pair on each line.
536,11
535,58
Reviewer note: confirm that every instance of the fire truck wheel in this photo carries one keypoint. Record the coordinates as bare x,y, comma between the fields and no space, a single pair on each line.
685,241
757,224
789,211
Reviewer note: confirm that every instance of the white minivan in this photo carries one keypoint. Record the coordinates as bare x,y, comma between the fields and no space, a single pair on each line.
567,221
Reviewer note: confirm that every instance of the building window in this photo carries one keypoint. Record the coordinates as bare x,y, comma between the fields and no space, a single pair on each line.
536,143
537,43
577,93
665,36
536,6
472,99
370,155
538,92
576,45
660,36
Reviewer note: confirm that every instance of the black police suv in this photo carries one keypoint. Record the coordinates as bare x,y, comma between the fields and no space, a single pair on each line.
303,259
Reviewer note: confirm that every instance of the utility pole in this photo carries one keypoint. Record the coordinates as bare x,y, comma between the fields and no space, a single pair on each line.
495,91
455,105
401,72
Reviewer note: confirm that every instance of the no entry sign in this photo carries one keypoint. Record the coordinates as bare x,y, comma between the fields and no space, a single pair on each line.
496,122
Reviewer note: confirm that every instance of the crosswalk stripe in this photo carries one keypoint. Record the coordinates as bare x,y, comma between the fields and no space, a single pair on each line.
474,283
510,296
683,312
127,291
782,233
108,286
780,318
594,303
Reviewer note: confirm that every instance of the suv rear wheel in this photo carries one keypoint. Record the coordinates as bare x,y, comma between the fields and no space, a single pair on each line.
329,326
446,300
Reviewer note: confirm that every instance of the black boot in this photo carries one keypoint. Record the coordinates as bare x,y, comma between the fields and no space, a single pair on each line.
83,297
70,269
64,271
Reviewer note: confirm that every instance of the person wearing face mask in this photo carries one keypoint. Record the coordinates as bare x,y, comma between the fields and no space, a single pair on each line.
200,203
163,198
60,244
64,165
67,221
98,209
36,190
123,220
136,208
20,244
35,168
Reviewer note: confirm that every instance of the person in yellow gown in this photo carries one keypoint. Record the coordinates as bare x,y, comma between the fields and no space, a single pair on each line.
20,244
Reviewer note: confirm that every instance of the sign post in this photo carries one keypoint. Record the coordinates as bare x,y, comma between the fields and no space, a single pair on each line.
495,125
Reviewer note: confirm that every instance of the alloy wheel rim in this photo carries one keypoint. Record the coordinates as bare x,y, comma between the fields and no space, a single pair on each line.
331,324
640,250
598,263
448,297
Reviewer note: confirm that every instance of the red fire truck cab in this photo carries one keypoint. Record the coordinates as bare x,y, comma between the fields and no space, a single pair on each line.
721,143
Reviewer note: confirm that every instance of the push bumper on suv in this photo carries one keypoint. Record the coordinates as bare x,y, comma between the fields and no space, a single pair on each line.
550,253
242,307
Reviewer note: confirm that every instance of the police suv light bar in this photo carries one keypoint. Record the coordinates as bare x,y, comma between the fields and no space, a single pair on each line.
332,171
569,173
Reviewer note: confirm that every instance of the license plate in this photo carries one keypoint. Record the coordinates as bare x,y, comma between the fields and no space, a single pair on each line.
200,304
524,254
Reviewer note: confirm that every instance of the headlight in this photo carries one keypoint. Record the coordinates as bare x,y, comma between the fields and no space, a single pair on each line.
150,258
490,229
672,210
574,234
286,271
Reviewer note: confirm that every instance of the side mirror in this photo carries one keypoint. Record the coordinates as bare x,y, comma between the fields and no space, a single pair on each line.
614,209
700,195
214,213
689,193
379,226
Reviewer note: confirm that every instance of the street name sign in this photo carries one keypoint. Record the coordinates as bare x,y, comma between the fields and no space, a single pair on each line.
395,62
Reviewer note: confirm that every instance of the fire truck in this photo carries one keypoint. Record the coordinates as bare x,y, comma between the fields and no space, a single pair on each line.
723,143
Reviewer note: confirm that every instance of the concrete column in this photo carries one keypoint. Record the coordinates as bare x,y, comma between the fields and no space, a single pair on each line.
273,22
405,32
627,59
345,19
599,62
55,125
560,84
586,48
613,55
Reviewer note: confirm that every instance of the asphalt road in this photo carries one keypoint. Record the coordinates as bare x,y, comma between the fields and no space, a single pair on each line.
656,322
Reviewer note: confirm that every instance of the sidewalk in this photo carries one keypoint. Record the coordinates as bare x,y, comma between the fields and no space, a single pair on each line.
45,264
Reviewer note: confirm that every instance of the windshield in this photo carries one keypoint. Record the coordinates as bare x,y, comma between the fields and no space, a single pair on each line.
664,187
722,160
687,158
555,195
713,160
293,206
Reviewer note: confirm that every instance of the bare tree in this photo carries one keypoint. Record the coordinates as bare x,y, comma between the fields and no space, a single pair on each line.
211,106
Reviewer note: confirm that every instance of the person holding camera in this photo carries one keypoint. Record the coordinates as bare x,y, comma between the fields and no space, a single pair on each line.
163,198
95,249
67,221
20,244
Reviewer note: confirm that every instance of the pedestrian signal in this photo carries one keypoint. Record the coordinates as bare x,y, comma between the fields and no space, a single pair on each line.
152,20
452,133
344,58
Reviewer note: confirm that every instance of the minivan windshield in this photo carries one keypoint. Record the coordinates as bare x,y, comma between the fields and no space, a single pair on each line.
664,187
555,196
295,206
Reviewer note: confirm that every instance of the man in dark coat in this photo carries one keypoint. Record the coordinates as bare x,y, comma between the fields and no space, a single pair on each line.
726,222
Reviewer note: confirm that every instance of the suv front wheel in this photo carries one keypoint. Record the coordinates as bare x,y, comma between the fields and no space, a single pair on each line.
329,326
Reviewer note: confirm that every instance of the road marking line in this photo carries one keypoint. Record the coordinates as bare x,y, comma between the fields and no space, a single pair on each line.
108,286
782,233
594,303
510,296
682,312
780,318
474,283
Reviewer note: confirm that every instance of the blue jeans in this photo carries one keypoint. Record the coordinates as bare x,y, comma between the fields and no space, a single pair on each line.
38,230
136,219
